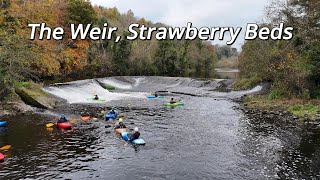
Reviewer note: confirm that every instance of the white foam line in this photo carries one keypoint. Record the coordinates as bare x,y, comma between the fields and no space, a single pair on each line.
84,92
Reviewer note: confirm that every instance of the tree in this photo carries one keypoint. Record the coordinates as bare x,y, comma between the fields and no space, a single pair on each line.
80,11
121,53
166,57
16,59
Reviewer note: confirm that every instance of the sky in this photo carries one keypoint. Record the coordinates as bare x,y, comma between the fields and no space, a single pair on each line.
209,13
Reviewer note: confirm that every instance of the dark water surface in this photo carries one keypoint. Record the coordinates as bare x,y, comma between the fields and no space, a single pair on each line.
205,139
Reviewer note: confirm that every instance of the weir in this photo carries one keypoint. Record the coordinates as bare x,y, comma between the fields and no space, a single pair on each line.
83,92
139,87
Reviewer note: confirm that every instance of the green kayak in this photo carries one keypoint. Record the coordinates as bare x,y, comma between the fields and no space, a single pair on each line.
174,104
99,100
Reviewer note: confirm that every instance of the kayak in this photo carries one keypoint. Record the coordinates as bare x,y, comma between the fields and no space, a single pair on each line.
121,130
111,116
3,123
138,141
1,157
85,118
174,104
154,97
65,125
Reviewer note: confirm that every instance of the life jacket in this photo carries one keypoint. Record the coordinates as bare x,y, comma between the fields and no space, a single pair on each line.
62,120
121,125
135,135
85,114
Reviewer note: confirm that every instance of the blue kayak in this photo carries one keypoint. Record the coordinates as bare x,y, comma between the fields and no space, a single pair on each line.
138,141
154,97
112,116
3,123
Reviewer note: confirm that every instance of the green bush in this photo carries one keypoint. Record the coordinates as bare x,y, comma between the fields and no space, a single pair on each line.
246,83
27,84
276,94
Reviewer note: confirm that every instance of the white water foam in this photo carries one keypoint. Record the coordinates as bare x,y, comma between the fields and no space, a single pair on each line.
83,92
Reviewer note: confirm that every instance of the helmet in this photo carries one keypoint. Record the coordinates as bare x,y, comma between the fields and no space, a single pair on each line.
62,115
120,120
136,129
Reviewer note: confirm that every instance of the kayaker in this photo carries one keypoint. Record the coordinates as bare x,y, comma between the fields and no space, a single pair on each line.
134,135
85,113
172,101
120,124
113,110
155,94
96,97
62,119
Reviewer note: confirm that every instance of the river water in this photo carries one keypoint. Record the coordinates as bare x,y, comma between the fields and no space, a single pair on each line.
208,138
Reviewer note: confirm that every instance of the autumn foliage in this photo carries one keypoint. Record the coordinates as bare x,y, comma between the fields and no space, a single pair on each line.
23,59
292,66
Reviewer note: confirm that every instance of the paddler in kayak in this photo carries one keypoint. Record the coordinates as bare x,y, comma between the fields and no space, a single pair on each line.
85,113
156,94
96,97
120,125
134,135
113,110
172,101
62,119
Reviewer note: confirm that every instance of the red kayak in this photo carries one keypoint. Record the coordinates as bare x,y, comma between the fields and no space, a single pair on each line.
65,125
1,157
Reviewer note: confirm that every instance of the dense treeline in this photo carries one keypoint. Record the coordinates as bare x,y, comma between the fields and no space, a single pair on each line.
228,57
22,59
292,66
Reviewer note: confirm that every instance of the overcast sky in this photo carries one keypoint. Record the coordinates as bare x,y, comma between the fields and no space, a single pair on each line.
210,13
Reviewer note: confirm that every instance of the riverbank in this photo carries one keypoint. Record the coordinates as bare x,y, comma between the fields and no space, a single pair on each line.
300,113
300,108
25,96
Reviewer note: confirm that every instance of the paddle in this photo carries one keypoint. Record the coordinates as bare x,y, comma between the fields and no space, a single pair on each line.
73,121
49,125
4,148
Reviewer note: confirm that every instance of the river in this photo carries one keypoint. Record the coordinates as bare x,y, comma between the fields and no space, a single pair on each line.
208,138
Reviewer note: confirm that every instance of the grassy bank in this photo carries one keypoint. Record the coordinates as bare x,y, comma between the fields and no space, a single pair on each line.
246,83
300,108
32,94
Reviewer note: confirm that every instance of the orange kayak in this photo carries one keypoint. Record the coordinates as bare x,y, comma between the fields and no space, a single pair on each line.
119,131
85,118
